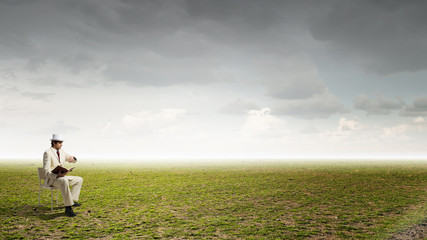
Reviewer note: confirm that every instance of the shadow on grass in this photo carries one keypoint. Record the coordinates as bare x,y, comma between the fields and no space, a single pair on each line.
45,213
39,211
51,216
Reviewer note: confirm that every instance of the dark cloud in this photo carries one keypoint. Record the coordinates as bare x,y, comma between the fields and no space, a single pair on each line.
15,2
33,65
80,62
417,108
161,43
242,22
294,77
382,37
156,70
8,74
378,106
83,34
318,106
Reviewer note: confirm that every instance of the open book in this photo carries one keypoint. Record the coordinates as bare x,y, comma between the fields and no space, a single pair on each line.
62,170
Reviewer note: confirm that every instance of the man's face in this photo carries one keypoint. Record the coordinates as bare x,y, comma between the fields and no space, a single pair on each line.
57,145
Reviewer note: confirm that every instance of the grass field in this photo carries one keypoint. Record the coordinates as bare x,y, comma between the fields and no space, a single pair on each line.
231,201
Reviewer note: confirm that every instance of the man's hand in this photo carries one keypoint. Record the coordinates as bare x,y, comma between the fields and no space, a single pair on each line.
71,159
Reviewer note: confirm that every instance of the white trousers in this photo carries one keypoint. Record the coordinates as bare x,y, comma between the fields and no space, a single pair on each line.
64,184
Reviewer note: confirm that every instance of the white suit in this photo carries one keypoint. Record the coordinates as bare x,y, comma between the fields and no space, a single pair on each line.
50,161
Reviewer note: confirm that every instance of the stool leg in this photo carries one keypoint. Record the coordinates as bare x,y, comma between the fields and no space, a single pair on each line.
57,196
39,194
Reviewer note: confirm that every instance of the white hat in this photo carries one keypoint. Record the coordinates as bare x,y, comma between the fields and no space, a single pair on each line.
57,137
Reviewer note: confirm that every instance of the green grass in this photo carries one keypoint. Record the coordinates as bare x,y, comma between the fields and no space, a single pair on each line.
232,201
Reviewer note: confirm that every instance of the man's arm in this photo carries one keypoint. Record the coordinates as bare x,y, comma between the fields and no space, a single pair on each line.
46,166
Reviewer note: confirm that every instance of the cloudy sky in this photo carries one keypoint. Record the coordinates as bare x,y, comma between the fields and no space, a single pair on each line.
202,79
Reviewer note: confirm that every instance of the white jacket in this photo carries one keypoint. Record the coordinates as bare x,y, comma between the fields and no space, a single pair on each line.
50,161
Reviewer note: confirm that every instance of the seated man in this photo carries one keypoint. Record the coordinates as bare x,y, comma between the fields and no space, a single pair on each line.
53,157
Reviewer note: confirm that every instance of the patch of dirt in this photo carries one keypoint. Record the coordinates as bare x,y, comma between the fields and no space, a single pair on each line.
415,232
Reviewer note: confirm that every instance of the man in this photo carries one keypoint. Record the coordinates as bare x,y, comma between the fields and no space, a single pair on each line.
53,157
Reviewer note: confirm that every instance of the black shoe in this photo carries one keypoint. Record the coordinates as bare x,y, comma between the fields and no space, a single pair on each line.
76,204
69,212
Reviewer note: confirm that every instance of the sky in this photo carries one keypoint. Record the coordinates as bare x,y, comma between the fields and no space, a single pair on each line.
223,79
